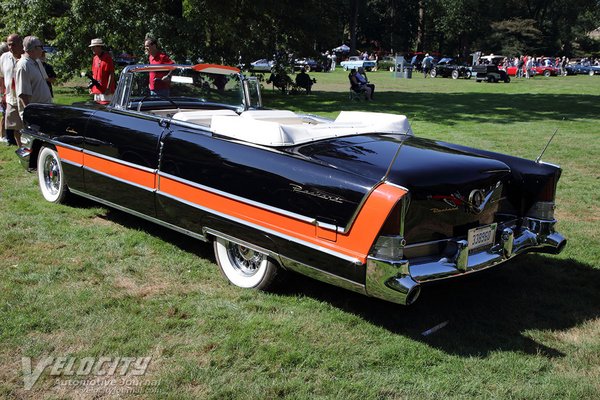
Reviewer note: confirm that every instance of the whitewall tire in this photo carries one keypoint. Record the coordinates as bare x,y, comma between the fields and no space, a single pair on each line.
50,175
244,267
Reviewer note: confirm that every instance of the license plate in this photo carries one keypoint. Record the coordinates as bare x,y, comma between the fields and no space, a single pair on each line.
483,236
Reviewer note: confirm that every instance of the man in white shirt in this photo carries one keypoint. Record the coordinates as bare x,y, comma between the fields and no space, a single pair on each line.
30,78
8,62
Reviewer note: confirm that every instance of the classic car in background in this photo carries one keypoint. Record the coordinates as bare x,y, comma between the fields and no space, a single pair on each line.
545,68
359,201
583,69
447,67
308,64
490,73
356,62
387,63
262,65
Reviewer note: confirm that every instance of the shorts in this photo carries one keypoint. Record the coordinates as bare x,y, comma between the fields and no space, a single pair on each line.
12,119
103,98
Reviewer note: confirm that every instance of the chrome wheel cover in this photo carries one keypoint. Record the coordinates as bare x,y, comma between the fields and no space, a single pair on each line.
51,175
244,260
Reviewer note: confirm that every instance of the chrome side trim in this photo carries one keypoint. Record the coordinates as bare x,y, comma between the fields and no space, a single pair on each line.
210,231
138,214
322,276
238,198
68,146
71,163
119,179
116,160
263,229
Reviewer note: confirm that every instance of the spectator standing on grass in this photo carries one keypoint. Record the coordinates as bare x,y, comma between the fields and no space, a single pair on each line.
160,81
3,139
30,77
103,71
49,71
520,64
8,62
427,63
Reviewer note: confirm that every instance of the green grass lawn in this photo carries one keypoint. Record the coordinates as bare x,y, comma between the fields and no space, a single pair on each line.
82,280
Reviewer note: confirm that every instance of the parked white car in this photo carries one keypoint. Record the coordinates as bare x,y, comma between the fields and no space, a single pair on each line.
356,62
262,65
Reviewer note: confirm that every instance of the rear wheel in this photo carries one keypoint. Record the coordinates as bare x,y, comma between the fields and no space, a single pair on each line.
50,175
433,73
455,74
468,74
547,73
591,72
243,266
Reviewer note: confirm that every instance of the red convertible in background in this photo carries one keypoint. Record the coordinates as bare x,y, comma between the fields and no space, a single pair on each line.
538,68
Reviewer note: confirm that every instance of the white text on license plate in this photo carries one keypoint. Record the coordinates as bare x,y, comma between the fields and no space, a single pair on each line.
481,237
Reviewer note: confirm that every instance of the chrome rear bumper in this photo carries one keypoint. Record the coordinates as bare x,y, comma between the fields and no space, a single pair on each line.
398,280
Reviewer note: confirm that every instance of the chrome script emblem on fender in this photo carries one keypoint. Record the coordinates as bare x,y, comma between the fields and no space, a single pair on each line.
316,193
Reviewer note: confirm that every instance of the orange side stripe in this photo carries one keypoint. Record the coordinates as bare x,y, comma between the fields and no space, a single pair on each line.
125,172
355,243
75,156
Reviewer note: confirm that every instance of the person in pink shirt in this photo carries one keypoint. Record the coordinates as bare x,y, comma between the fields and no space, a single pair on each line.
159,82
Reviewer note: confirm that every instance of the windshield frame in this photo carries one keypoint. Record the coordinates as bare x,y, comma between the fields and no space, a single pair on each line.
250,95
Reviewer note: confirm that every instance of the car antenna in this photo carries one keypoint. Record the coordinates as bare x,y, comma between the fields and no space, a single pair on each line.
537,160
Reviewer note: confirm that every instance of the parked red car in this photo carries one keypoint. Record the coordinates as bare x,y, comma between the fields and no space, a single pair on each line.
545,69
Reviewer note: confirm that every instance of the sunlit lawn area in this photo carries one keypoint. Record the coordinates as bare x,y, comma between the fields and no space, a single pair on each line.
82,280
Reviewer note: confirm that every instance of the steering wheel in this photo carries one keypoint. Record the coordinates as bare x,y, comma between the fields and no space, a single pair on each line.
139,107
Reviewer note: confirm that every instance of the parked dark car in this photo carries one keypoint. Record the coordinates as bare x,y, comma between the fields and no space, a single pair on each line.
358,201
584,69
308,64
448,67
490,73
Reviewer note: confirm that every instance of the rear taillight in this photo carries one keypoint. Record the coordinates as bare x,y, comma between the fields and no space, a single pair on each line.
390,242
544,207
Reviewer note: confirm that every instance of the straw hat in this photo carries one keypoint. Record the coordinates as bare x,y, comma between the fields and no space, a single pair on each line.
96,42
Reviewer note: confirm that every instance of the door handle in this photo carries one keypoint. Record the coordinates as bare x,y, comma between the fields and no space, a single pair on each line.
72,131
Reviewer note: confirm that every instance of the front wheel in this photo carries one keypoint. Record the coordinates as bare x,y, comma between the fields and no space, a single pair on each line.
591,72
50,175
455,74
468,74
547,73
243,266
433,73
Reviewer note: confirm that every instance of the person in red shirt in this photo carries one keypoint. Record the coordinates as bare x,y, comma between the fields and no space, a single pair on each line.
103,72
160,82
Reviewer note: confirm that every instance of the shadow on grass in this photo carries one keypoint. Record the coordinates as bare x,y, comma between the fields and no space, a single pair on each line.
485,312
452,108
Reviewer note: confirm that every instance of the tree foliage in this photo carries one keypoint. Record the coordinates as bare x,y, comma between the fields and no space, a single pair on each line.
233,31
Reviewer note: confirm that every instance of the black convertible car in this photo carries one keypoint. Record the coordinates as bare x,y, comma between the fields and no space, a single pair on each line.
358,201
448,67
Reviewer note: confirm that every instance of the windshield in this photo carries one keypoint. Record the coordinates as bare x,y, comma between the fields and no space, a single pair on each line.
183,86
